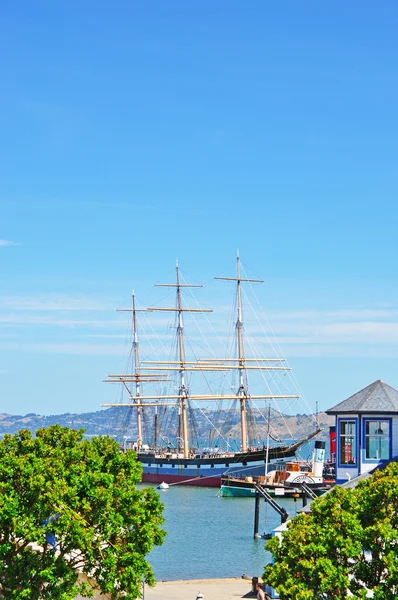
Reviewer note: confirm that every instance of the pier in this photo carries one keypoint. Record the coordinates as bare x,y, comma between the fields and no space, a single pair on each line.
261,492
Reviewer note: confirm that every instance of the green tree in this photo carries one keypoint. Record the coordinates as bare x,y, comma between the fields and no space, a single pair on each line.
377,499
68,505
348,544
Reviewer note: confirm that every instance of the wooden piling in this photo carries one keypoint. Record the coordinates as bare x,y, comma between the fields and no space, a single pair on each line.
256,514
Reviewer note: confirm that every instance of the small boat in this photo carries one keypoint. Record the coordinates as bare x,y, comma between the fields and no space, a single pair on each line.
284,480
163,486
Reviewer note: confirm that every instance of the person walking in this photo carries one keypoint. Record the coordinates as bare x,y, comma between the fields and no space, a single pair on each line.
260,591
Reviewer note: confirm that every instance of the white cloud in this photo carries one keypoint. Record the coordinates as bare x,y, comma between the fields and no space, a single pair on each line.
359,313
24,319
54,302
8,243
111,336
379,332
341,350
329,326
66,348
350,331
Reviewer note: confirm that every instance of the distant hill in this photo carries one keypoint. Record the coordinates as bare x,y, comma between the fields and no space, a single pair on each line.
117,422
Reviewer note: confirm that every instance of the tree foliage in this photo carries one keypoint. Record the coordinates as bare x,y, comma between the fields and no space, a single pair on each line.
347,545
68,505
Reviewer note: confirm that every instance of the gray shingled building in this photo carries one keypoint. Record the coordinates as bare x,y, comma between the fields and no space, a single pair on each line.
366,430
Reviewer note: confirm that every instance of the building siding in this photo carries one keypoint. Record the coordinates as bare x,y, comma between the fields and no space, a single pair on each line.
347,472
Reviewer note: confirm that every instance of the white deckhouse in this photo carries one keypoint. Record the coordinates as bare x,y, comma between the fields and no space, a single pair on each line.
366,430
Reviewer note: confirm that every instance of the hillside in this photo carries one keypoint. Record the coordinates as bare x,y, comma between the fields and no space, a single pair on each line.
116,422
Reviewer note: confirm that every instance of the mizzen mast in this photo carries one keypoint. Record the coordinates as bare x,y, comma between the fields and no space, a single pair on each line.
183,392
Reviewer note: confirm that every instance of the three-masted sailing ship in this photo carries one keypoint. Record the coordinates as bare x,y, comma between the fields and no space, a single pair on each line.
172,456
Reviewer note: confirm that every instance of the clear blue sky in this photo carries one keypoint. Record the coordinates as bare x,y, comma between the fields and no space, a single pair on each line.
133,134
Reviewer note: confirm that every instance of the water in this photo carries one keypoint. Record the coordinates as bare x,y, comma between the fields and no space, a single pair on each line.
211,537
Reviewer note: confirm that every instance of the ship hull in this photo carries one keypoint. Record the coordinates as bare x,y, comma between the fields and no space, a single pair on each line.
230,491
197,475
213,482
207,471
239,489
234,488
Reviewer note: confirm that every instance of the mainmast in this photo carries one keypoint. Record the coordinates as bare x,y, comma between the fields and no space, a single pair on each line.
242,388
182,389
183,392
242,391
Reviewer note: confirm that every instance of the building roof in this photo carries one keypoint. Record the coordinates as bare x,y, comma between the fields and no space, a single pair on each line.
378,397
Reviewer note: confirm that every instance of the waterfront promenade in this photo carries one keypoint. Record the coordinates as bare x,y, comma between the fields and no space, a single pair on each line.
211,589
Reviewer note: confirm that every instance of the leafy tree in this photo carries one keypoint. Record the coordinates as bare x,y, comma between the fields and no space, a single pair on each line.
68,504
347,545
378,508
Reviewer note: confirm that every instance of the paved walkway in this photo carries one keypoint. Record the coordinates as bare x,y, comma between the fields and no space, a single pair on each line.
211,589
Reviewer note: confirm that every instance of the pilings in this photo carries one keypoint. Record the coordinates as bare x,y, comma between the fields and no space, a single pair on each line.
256,514
260,491
307,492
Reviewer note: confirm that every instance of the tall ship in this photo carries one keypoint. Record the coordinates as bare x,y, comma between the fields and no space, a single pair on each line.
165,426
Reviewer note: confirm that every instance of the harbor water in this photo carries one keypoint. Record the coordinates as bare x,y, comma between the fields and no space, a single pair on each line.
210,537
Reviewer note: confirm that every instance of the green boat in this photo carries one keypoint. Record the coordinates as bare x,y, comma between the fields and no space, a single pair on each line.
286,480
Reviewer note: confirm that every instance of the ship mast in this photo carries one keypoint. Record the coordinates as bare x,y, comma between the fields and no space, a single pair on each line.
183,392
183,366
182,389
242,391
136,369
136,376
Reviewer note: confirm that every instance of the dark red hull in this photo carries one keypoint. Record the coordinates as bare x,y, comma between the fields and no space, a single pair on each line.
196,481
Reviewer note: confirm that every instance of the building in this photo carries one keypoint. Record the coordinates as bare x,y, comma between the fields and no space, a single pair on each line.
364,438
366,430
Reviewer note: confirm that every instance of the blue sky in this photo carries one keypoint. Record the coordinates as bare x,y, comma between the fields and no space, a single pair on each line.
133,134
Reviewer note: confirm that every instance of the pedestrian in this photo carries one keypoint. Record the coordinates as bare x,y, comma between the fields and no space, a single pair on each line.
260,591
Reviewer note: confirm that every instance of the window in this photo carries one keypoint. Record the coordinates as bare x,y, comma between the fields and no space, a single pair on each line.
348,442
377,439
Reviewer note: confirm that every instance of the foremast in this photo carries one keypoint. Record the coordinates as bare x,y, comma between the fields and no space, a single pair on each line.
136,369
136,376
